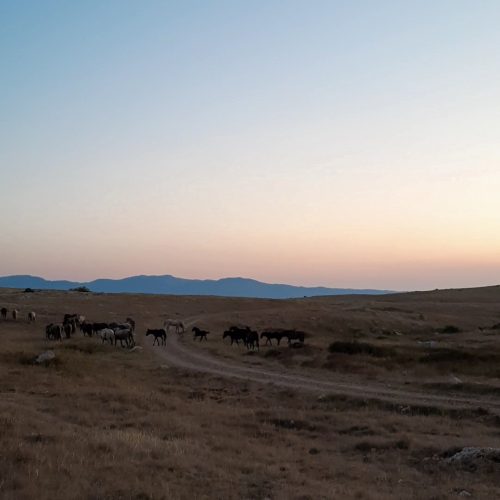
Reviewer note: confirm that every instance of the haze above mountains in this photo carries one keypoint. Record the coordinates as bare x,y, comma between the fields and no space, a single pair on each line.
170,285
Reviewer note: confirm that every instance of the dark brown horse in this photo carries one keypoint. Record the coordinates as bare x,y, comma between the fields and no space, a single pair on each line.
271,335
159,334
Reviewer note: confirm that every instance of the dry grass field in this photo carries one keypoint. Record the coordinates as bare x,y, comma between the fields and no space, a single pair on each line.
102,422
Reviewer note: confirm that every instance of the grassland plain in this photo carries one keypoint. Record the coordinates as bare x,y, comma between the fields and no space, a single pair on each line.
104,422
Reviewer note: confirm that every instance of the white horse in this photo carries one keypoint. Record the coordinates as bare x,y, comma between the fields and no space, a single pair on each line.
176,323
31,316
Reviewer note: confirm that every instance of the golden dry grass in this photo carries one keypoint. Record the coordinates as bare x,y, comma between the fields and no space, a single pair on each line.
108,423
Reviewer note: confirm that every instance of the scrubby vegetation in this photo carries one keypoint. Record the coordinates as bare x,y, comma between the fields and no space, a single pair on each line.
449,329
355,347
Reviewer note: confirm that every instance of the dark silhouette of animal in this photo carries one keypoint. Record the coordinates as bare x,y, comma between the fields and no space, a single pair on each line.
269,335
4,312
68,329
131,322
87,328
31,316
201,334
294,335
252,340
159,334
15,313
235,334
53,332
70,320
99,326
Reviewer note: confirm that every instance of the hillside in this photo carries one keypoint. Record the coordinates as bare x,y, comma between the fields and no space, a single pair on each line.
171,285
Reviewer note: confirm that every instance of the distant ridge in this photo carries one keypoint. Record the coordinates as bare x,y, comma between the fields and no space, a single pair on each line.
170,285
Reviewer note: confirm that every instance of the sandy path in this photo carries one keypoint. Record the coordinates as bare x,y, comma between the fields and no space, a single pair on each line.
177,353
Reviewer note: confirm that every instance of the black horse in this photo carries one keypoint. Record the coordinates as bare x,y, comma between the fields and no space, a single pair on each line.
4,312
159,334
53,332
252,340
236,334
294,336
87,328
271,335
198,332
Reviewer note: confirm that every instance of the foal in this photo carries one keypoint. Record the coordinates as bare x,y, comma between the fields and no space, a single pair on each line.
197,332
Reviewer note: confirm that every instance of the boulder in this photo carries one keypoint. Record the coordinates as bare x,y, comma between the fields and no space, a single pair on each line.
472,456
45,357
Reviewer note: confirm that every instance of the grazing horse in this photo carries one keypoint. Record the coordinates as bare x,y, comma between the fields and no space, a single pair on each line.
31,316
159,334
124,334
15,313
176,323
4,312
197,332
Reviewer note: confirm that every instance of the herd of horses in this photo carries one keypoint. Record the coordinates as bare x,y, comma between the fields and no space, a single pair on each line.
250,338
111,333
123,333
4,313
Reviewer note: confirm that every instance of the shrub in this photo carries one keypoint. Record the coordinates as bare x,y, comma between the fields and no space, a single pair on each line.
449,329
447,356
82,289
355,347
29,290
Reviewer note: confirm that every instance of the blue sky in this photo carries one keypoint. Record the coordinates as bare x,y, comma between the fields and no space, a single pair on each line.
338,143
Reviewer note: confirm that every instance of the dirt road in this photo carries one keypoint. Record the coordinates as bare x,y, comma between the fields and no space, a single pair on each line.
178,353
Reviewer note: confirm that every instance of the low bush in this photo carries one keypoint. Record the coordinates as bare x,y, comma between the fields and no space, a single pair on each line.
449,329
355,347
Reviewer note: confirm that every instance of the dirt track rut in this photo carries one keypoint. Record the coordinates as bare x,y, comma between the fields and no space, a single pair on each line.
177,353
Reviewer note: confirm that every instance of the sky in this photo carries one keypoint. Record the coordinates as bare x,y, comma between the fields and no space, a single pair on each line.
337,143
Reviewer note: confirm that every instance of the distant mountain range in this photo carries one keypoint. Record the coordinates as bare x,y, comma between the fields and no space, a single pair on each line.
170,285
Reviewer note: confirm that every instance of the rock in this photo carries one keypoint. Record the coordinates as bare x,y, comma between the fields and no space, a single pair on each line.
455,380
464,493
470,456
45,357
136,348
428,343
